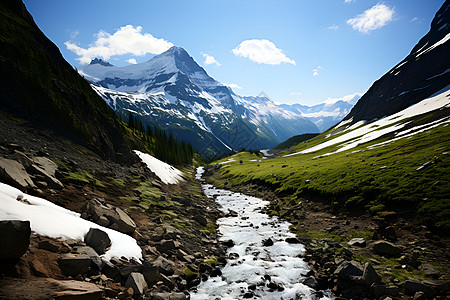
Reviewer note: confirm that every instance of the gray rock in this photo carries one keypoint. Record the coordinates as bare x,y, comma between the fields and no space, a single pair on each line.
72,264
359,242
420,296
169,296
370,276
98,240
167,245
137,282
167,282
150,272
165,266
312,283
124,222
71,289
412,287
46,168
429,270
346,269
110,270
49,245
14,173
200,219
383,290
14,238
96,261
386,248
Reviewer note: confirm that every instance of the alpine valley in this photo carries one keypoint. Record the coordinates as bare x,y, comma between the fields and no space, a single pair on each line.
172,92
155,181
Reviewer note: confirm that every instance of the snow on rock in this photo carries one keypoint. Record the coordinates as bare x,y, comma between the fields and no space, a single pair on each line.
49,219
167,173
360,133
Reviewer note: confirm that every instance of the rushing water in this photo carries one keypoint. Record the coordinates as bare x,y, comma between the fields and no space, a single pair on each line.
248,261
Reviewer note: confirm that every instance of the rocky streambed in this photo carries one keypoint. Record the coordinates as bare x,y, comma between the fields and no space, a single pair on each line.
264,259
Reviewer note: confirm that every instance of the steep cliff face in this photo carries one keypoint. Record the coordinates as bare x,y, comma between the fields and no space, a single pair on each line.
37,84
423,72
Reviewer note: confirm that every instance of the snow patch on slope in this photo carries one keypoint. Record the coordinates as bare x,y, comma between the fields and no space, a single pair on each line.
167,173
49,219
365,133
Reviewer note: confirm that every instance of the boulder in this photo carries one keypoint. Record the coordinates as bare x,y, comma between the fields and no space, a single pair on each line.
169,296
268,242
359,242
412,287
98,240
292,240
124,222
346,269
15,174
167,245
429,270
384,290
165,266
72,264
110,270
386,248
96,261
47,169
167,282
14,238
137,282
312,283
200,219
72,289
49,245
370,276
150,272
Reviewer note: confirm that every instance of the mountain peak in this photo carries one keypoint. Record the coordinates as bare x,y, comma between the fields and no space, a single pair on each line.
100,61
176,50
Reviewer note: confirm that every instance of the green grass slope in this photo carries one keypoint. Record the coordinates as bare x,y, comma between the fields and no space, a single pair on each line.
408,175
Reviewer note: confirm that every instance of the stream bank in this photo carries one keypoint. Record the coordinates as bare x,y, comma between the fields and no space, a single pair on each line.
415,265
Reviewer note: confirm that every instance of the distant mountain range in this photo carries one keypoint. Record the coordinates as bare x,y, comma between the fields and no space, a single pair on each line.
326,114
172,92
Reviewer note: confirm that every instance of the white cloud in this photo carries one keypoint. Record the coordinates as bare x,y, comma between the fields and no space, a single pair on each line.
126,40
74,34
333,27
262,52
233,86
415,19
132,61
295,94
316,70
373,18
209,60
349,1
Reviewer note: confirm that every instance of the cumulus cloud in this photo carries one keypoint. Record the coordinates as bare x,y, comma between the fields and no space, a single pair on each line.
126,40
316,70
209,60
373,18
132,61
233,86
262,52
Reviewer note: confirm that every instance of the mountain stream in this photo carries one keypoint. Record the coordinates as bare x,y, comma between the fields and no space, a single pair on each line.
253,270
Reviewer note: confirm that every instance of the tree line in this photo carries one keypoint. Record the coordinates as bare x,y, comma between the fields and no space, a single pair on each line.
164,146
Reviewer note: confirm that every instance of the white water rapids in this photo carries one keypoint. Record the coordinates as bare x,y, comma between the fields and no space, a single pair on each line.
248,261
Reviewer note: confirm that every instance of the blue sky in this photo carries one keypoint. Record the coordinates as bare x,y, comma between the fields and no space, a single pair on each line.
302,51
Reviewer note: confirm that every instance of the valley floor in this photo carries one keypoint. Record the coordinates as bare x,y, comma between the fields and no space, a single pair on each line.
422,263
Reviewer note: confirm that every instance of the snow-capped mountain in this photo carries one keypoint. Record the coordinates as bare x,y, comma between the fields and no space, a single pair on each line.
326,114
171,91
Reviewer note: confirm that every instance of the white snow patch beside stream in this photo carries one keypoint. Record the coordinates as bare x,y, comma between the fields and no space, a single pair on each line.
167,173
49,219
